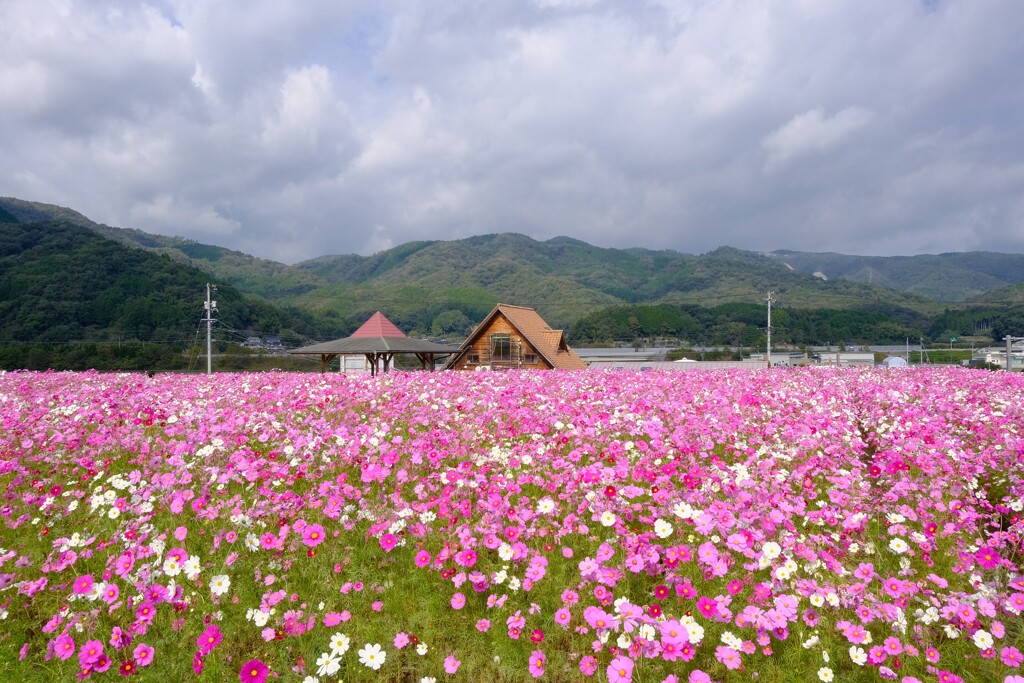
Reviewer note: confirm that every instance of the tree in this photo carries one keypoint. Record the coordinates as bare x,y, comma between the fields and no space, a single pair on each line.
451,322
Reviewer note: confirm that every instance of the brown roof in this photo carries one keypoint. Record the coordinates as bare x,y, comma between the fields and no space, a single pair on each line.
549,343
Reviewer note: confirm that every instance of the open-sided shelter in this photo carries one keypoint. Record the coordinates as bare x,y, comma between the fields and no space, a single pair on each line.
515,337
378,339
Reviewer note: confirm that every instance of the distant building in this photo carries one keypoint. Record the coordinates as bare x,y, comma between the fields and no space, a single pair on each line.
678,366
252,343
274,344
513,337
997,356
847,358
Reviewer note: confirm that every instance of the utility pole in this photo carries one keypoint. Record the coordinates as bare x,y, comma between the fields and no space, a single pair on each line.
211,308
1009,350
769,329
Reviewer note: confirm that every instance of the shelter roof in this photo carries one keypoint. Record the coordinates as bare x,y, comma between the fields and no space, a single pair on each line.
376,335
378,326
375,345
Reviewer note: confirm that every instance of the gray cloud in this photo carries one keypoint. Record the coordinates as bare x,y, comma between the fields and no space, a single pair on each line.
290,130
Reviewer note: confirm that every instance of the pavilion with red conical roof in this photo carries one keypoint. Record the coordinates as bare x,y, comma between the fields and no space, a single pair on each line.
379,340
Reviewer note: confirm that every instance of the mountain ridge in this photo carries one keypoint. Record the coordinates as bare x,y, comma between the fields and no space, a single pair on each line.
565,278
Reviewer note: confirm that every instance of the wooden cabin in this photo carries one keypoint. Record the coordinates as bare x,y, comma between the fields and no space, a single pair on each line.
514,337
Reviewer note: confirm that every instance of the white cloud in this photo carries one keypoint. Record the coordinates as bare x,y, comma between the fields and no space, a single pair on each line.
812,132
288,129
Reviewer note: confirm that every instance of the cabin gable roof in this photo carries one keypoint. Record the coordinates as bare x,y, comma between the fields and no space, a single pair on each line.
549,343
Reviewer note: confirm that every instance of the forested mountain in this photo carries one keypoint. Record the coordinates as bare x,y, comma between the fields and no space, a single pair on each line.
948,277
64,277
61,283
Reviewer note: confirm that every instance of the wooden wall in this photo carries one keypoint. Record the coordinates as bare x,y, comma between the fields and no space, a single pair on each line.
482,345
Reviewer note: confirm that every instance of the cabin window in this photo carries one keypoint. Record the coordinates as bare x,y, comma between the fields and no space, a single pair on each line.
474,358
501,347
530,359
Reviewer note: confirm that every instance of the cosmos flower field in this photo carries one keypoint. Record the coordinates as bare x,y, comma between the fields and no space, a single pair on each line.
793,524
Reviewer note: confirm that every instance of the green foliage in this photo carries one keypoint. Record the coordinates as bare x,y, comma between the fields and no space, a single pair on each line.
742,324
61,283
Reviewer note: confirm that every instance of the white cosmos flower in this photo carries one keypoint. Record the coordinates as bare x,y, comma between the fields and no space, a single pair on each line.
545,505
858,655
328,664
825,674
662,529
607,518
191,567
898,546
171,567
421,649
983,639
219,584
339,643
372,656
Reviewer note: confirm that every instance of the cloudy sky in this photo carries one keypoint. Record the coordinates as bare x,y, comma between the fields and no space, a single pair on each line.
292,129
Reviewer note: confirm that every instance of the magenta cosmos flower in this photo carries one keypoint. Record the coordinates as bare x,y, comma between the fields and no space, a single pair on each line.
253,671
209,639
64,646
143,654
83,584
312,535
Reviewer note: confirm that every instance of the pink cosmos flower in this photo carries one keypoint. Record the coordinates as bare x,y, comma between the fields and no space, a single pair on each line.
698,676
90,653
209,639
198,663
111,593
253,671
451,664
63,646
119,639
422,559
83,584
562,616
987,558
893,645
388,542
401,640
620,670
728,656
143,654
312,535
124,563
707,607
458,601
1011,656
537,664
483,625
466,558
588,665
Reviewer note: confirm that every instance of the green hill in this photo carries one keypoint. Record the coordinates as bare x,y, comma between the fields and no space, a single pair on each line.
61,282
950,277
444,287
